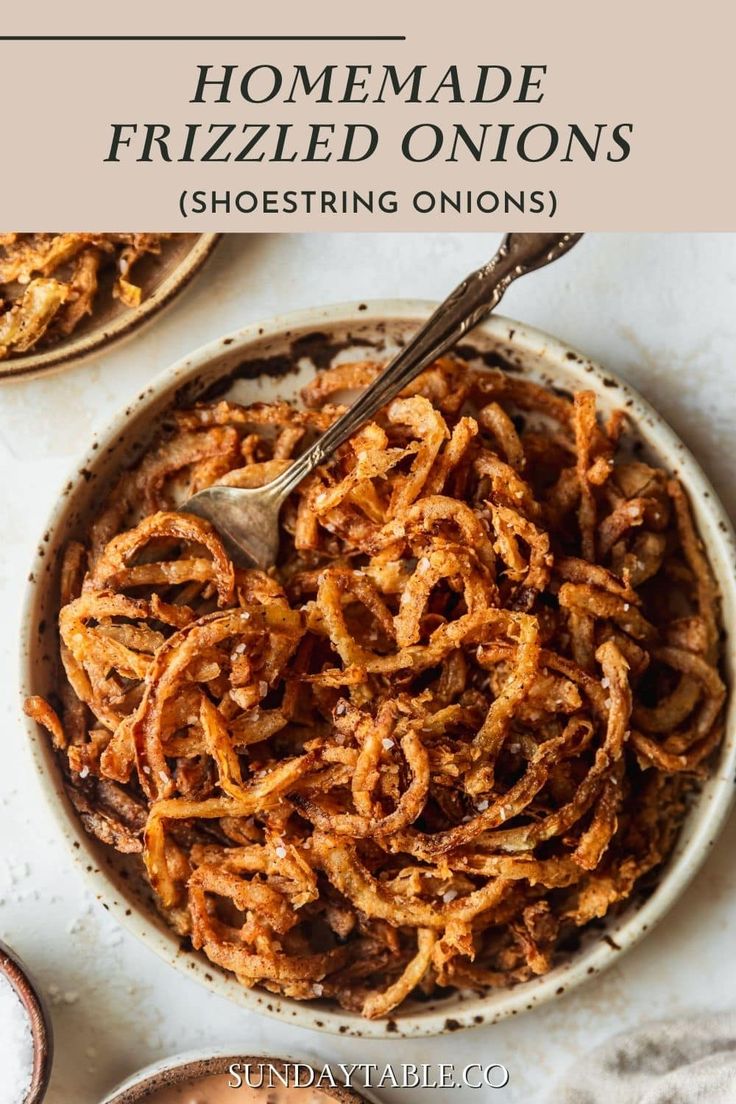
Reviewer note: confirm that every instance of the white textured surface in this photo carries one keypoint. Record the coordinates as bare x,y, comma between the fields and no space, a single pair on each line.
659,310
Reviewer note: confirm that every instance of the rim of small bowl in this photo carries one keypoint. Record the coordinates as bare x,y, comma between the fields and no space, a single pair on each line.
516,341
21,979
64,354
137,1088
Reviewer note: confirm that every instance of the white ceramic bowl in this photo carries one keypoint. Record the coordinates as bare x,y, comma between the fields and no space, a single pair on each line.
253,358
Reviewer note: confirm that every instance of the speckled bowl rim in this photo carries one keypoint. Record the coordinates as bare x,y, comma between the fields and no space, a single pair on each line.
180,1067
67,353
513,340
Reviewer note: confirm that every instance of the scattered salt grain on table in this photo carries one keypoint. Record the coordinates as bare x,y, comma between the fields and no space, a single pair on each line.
16,1046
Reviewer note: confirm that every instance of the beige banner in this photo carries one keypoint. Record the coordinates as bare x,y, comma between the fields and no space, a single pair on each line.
388,116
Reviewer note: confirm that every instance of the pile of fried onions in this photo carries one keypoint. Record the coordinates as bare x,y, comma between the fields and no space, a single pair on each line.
457,723
49,282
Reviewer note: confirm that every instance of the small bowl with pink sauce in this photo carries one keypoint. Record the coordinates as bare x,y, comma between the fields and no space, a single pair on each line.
225,1078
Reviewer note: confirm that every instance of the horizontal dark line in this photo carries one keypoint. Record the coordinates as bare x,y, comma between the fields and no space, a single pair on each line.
202,38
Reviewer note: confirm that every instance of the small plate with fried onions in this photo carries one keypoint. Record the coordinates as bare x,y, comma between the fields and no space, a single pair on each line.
66,296
470,739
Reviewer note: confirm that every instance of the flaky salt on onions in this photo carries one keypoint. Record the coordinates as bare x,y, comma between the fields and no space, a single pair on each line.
459,721
16,1046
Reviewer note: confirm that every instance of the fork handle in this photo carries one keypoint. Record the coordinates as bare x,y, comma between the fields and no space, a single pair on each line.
475,297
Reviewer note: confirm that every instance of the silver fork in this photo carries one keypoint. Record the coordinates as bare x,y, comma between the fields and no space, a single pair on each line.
248,520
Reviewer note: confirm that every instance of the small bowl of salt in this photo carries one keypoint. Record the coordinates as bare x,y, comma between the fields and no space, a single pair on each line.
26,1042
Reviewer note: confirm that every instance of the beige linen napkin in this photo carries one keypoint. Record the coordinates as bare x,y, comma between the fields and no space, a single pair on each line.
690,1061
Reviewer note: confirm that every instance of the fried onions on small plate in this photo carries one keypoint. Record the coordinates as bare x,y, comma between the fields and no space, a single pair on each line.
49,282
